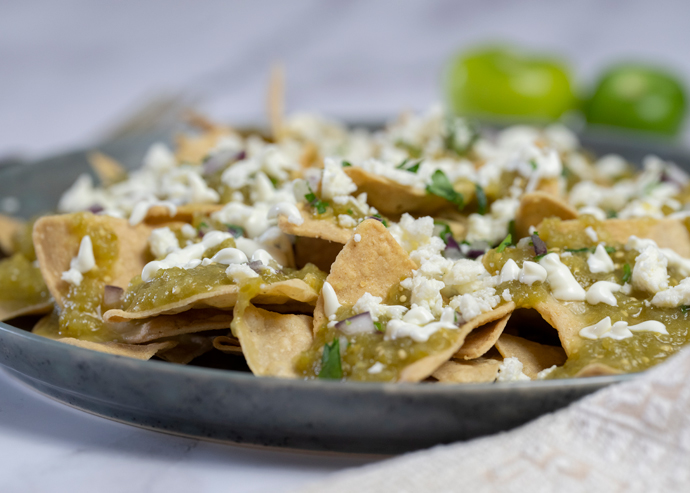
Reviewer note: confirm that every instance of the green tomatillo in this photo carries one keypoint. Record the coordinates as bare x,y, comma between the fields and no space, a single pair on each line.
501,83
638,97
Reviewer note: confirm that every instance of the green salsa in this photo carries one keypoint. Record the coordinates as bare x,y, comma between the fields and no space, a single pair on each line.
22,281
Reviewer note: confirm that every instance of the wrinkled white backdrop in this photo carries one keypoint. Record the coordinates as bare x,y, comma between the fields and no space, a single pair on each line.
70,70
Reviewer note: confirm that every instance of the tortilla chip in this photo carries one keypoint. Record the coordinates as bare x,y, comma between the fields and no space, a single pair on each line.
56,245
325,229
471,371
667,233
143,351
14,309
310,157
172,325
187,348
9,227
566,319
537,206
550,186
108,170
158,214
481,340
597,370
223,297
534,357
321,253
392,198
424,367
372,265
271,341
275,102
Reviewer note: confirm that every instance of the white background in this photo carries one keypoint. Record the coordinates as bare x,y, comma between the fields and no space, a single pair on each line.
70,71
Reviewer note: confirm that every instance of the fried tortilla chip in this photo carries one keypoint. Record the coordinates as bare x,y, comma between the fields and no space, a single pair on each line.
137,351
534,357
160,215
271,341
223,297
481,340
187,348
13,309
312,227
471,371
108,170
424,367
393,198
172,325
667,233
9,227
372,265
565,318
56,245
537,206
321,253
597,370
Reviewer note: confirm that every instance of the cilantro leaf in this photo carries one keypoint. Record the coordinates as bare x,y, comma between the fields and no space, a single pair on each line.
511,230
402,165
347,164
379,327
234,230
578,250
315,202
380,218
331,367
610,214
627,273
481,199
610,249
445,231
412,169
506,241
684,308
533,163
442,187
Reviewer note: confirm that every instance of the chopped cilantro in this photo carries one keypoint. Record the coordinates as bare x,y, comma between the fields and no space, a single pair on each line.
236,231
609,249
481,199
506,241
404,162
202,225
627,273
379,327
445,231
578,250
380,218
533,163
539,257
350,211
684,308
347,164
611,214
274,181
414,151
566,173
441,187
315,202
456,127
412,169
511,230
331,368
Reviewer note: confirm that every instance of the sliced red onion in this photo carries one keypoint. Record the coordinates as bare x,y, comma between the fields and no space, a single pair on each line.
359,324
675,174
539,245
476,249
256,265
112,297
95,209
379,219
220,159
452,250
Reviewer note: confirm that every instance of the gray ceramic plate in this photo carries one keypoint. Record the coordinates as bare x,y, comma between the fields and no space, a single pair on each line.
232,405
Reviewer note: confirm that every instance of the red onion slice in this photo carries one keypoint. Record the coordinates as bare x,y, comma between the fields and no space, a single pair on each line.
112,297
539,246
359,324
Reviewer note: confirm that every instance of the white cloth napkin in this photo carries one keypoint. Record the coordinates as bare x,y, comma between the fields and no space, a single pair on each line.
630,437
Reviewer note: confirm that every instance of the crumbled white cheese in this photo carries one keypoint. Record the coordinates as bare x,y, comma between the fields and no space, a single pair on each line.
506,295
286,209
510,370
346,221
675,296
372,304
563,285
228,256
418,324
589,231
240,272
376,368
81,264
593,211
602,292
600,262
357,237
335,181
425,293
162,241
473,304
649,273
545,372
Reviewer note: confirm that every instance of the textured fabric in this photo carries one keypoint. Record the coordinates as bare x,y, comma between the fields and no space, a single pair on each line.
625,438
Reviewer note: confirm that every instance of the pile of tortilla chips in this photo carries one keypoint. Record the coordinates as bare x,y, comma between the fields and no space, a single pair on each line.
426,251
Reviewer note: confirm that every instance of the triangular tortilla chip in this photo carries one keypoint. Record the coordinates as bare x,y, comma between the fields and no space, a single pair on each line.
271,341
597,370
325,229
565,318
321,253
143,351
534,357
223,297
372,265
537,206
471,371
56,245
14,309
424,367
159,215
9,227
392,198
172,325
108,170
481,340
187,348
667,233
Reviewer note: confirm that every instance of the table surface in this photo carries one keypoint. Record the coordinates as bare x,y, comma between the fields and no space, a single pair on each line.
46,444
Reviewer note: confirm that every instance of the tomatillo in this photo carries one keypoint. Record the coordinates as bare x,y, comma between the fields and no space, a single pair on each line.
638,97
500,82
